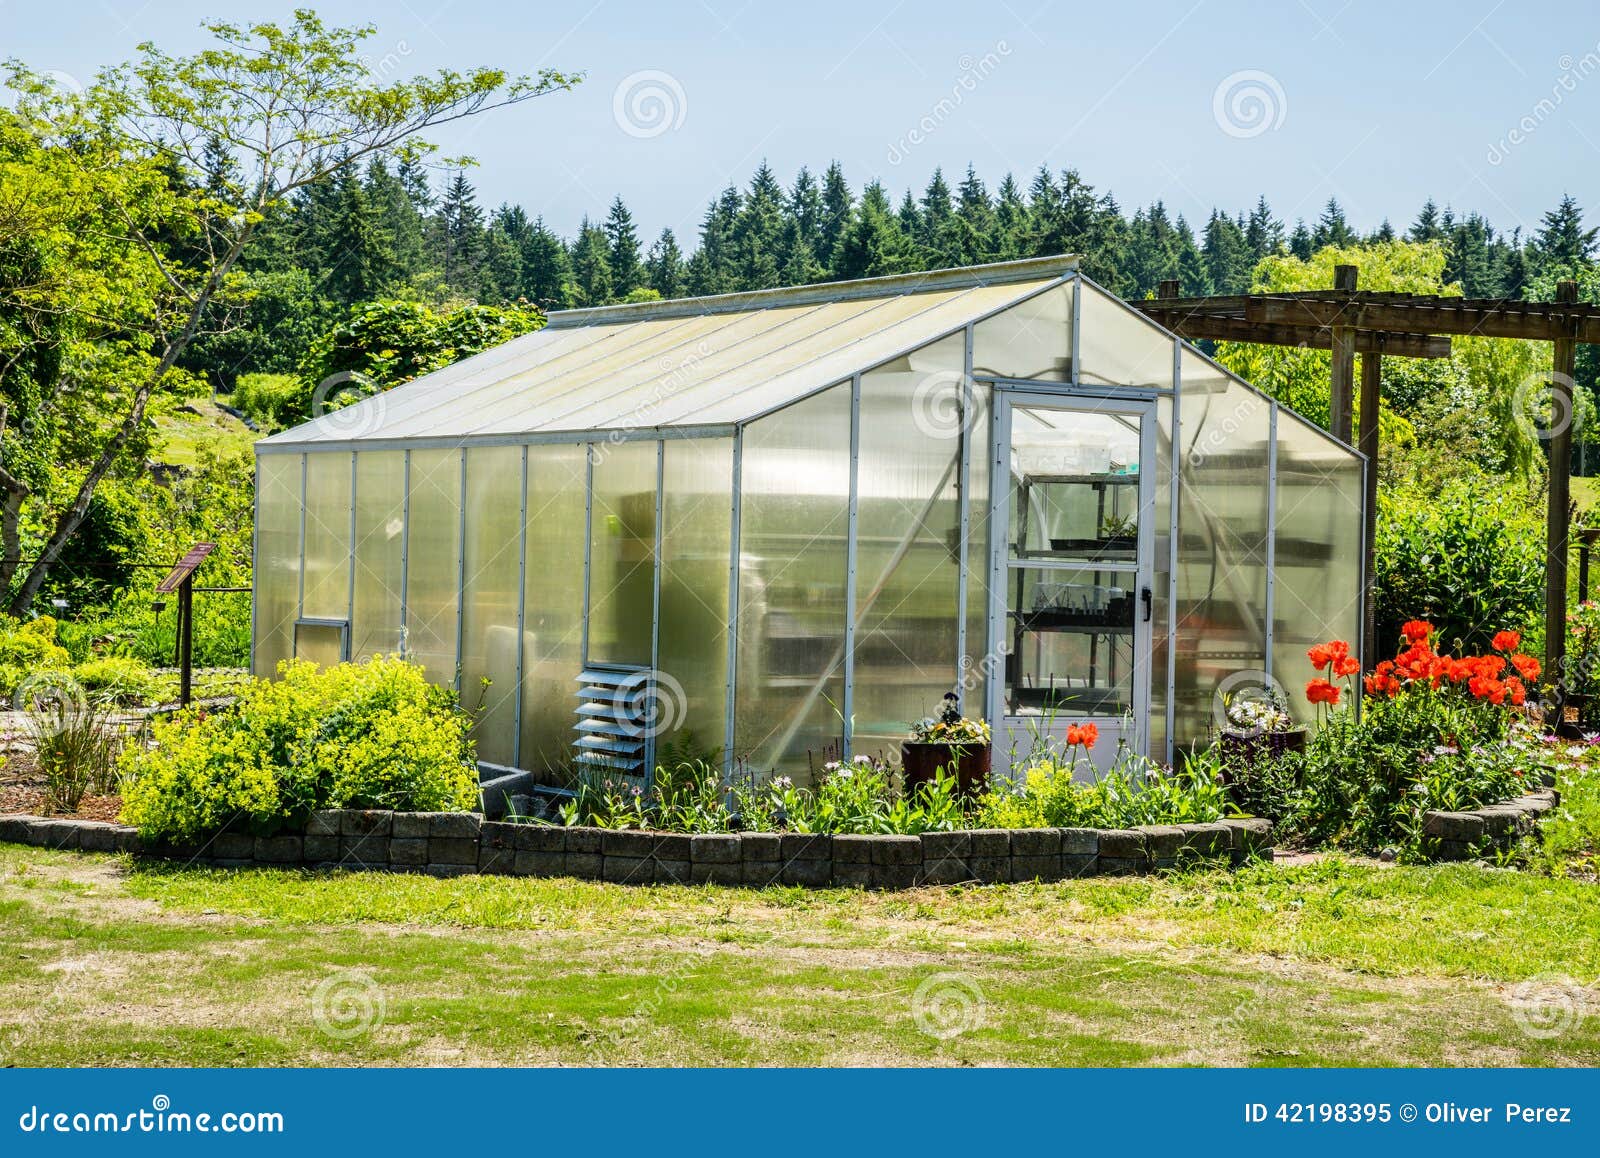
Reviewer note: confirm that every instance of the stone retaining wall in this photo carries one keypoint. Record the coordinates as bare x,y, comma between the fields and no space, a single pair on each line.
1483,831
457,843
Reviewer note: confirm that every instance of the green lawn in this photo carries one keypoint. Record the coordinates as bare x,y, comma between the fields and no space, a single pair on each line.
1324,963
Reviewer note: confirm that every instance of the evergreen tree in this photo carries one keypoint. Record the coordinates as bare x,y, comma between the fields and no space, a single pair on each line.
838,203
1511,271
591,265
1467,259
622,250
357,259
873,243
547,269
1426,227
806,212
1384,232
1300,242
711,269
1263,232
1332,228
1010,221
973,227
1562,244
1194,278
1227,255
935,218
758,233
400,215
461,234
664,266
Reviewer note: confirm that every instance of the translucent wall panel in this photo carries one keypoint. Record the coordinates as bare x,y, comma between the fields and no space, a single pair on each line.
622,540
979,662
1161,587
696,526
489,643
433,562
327,536
795,487
277,566
380,537
1222,576
1317,557
1118,347
552,612
907,536
1032,339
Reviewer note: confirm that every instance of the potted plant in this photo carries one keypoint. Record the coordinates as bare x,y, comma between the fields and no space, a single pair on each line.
950,741
1258,723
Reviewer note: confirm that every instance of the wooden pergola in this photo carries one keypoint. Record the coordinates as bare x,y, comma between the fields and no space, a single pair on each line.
1348,322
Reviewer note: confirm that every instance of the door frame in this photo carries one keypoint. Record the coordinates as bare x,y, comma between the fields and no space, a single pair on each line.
1092,400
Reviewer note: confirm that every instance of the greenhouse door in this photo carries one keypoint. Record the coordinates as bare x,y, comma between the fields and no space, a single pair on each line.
1071,574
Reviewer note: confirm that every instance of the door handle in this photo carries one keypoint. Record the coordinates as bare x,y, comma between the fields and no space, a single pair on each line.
1149,602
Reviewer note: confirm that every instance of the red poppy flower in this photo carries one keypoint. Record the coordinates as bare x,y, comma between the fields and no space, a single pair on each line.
1527,667
1346,666
1319,656
1090,734
1519,694
1506,640
1320,691
1416,630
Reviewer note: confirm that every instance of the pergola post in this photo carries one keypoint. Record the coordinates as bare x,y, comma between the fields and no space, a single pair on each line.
1371,400
1341,396
1555,574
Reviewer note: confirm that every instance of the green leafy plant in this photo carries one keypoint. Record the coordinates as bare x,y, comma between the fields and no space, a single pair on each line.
75,741
366,735
117,679
950,726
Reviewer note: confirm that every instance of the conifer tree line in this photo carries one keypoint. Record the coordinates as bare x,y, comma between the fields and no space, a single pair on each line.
378,231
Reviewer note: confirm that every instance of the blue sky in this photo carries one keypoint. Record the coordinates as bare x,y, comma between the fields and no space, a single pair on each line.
1197,103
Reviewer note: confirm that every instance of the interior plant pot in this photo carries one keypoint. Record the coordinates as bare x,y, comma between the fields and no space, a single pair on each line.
921,764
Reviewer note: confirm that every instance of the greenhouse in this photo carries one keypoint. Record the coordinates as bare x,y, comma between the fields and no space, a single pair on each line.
776,527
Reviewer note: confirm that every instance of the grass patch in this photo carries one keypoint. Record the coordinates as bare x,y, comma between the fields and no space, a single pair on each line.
1331,963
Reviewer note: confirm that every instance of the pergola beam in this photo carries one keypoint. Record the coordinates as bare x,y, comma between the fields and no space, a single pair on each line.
1195,327
1551,322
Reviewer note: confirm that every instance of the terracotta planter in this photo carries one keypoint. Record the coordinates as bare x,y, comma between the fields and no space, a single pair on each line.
921,764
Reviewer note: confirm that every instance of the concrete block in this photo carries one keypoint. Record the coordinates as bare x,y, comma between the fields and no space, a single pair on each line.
673,872
359,851
990,842
280,849
627,842
895,876
365,822
232,846
990,870
452,850
1122,844
852,849
586,866
410,825
937,846
407,850
714,849
851,874
761,873
715,872
897,850
1162,841
628,870
320,848
813,846
585,840
540,864
810,873
1034,842
454,825
323,823
496,860
756,847
1079,841
1036,868
541,838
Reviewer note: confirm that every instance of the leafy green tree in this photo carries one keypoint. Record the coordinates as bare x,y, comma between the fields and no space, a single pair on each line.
292,102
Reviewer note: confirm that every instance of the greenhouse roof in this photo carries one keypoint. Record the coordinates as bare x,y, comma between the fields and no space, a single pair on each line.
690,363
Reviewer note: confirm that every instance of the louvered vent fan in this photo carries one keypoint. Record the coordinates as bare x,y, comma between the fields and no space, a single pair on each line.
613,719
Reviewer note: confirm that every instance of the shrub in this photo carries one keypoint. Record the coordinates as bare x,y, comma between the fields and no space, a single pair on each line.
117,679
367,735
28,647
1468,559
266,399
